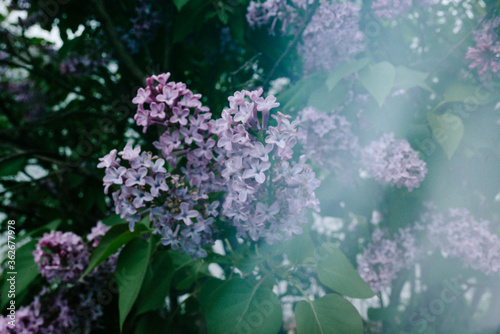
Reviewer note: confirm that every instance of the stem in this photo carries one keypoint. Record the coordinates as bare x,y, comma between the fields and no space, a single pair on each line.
294,42
299,288
115,40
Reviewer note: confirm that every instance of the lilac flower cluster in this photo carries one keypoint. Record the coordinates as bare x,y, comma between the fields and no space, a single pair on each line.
61,256
177,202
64,308
327,140
267,193
331,37
84,65
458,234
391,9
394,162
96,233
278,12
143,26
384,257
485,56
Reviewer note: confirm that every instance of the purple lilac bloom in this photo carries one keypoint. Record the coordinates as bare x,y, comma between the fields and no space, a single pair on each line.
394,162
485,56
327,140
267,192
331,37
178,200
391,9
458,234
61,256
384,257
276,12
65,310
96,233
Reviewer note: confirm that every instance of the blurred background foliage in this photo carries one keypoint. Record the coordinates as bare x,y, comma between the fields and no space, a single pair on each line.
65,101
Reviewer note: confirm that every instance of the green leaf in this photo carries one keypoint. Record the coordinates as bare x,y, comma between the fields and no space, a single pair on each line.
385,314
180,3
116,237
466,93
297,95
12,165
208,288
237,307
113,220
330,314
327,101
336,272
53,225
448,130
26,268
300,248
130,271
344,70
408,78
378,80
190,19
156,284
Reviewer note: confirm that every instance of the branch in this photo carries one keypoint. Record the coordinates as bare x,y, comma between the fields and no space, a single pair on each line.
115,40
294,42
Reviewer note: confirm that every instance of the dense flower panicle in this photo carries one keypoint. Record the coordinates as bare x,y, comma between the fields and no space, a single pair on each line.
327,140
331,37
391,9
485,56
458,234
177,202
65,310
71,305
61,255
275,11
27,320
394,162
384,257
267,193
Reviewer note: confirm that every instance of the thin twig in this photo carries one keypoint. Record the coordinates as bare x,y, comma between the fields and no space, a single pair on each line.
121,51
456,46
293,43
